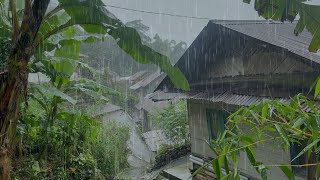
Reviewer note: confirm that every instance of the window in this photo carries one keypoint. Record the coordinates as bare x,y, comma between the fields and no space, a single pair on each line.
295,149
215,121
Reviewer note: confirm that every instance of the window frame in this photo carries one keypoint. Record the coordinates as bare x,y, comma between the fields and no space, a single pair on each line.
220,116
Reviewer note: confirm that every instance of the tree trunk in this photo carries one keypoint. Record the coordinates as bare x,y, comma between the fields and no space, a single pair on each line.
11,97
14,88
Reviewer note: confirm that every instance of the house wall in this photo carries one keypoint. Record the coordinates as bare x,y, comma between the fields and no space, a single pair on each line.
262,61
269,153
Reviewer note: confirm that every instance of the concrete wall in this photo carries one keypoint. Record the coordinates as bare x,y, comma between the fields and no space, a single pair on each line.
269,153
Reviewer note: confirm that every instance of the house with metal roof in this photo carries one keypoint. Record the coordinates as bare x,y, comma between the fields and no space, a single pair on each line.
238,63
145,106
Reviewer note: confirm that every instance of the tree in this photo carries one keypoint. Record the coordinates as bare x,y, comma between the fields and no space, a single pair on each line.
173,122
170,48
28,37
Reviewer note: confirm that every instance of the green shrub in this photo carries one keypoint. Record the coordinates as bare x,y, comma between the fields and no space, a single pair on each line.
75,146
173,122
111,150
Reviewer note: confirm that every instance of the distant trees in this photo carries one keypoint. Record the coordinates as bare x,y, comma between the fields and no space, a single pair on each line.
170,48
118,61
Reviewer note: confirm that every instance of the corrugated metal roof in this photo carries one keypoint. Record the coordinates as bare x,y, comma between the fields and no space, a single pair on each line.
137,75
276,33
230,98
149,79
226,97
218,34
150,106
106,108
163,96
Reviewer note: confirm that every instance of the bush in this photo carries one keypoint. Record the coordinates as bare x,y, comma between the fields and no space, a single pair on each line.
111,150
75,146
173,122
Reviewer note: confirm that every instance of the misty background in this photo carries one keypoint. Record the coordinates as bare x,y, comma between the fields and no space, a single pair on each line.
181,28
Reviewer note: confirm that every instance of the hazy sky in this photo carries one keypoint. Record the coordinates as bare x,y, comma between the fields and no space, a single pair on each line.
181,28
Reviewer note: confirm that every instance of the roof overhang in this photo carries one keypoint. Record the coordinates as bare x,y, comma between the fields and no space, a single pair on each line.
213,37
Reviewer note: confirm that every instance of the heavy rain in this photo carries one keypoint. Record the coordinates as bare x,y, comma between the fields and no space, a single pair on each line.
157,90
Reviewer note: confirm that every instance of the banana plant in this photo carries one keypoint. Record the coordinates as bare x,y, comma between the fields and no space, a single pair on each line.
29,24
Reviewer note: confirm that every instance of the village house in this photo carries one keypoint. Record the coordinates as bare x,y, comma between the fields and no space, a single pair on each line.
238,63
146,106
139,151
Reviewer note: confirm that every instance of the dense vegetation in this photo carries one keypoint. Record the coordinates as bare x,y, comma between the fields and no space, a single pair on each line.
45,129
75,146
173,122
44,124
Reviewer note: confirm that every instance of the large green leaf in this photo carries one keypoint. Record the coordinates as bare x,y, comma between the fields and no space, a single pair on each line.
53,91
69,49
91,14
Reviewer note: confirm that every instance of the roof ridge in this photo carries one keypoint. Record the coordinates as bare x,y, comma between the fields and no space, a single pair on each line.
246,22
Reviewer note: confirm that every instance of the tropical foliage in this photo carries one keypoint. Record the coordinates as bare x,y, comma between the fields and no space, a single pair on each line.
274,123
36,36
173,122
75,146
